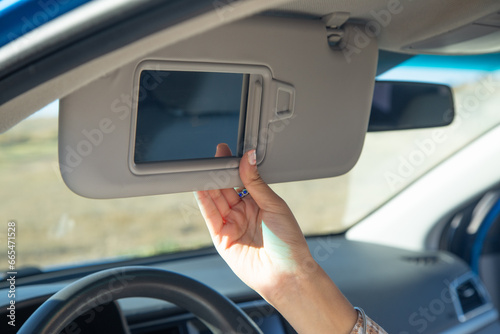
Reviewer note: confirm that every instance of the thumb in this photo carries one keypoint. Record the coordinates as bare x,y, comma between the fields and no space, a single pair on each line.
262,194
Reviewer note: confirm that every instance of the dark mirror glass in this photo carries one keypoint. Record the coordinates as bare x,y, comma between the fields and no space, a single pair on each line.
410,105
183,115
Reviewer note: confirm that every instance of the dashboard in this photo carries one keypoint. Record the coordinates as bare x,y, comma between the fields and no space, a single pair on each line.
404,291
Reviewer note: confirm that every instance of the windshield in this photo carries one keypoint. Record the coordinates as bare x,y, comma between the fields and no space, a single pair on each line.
56,227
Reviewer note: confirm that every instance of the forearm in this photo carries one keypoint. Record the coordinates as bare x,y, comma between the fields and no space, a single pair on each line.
261,241
311,302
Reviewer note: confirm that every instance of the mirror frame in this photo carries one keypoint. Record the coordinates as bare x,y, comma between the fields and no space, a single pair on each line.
259,86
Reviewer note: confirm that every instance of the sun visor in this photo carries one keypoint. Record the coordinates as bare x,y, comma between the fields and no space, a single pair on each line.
273,84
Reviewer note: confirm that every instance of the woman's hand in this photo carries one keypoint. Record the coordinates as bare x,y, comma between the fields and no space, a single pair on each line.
257,235
261,241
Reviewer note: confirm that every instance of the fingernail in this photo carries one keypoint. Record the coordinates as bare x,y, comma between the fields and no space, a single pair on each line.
252,158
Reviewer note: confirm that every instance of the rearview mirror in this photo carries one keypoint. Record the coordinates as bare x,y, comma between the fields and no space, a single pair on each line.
410,105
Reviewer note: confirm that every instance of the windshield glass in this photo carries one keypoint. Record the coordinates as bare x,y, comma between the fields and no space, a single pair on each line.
56,227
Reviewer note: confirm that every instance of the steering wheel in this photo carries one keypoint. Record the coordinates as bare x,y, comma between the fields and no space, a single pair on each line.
217,312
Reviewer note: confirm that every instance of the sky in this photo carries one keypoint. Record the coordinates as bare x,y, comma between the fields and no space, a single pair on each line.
50,110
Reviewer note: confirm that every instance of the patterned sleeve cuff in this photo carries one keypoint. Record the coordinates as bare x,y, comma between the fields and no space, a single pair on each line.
371,326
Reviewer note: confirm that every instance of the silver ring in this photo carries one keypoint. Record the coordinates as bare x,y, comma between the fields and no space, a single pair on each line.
243,193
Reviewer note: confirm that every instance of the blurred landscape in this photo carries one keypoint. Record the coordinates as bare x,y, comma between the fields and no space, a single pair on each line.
56,226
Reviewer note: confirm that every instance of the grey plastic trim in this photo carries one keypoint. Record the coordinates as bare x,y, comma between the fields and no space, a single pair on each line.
487,306
261,88
474,324
254,103
315,128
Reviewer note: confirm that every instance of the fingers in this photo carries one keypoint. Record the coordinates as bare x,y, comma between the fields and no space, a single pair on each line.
263,195
230,195
221,201
223,151
209,211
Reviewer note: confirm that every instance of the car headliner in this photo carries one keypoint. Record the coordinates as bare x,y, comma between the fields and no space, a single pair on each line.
98,37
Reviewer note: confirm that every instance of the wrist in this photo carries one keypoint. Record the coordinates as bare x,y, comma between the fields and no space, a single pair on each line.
299,279
311,301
